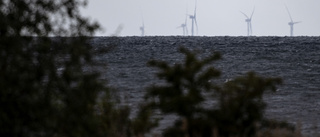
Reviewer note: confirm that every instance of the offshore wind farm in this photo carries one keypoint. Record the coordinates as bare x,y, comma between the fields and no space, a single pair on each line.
194,24
214,18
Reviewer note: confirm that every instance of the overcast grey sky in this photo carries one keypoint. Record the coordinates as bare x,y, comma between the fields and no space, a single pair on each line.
214,17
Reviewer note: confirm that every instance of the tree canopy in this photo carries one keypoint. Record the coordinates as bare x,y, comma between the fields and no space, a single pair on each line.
46,88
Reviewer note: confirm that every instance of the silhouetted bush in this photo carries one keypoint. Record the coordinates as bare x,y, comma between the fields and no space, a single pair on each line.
46,85
239,104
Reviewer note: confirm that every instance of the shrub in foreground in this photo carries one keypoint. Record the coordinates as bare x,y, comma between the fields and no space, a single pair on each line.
46,89
239,107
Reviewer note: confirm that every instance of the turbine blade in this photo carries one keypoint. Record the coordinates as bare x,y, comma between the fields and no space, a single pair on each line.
195,10
142,23
142,19
289,13
186,20
252,12
244,15
297,22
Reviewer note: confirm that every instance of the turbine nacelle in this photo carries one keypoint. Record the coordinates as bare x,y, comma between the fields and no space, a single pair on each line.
182,26
292,23
191,17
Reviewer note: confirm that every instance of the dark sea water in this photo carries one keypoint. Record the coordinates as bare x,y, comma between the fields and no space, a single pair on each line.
295,59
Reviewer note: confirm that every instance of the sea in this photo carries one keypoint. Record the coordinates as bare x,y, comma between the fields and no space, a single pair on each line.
123,63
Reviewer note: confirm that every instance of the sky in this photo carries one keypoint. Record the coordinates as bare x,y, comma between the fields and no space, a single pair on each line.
214,17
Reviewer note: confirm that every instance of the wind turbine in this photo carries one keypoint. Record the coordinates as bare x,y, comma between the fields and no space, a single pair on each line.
184,26
194,20
248,20
291,23
142,28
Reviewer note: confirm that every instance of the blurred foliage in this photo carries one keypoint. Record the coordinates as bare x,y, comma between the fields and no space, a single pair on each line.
239,106
186,83
47,86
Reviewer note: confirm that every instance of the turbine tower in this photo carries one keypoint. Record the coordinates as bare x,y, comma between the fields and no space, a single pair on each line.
184,27
194,20
142,28
291,23
248,20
